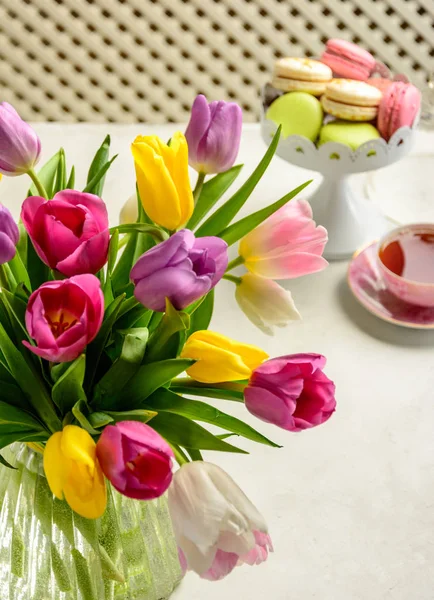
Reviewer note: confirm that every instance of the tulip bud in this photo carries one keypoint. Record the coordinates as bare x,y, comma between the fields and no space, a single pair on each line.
219,358
73,471
20,147
182,268
213,135
136,459
63,317
163,179
286,245
9,235
216,526
129,212
265,303
291,392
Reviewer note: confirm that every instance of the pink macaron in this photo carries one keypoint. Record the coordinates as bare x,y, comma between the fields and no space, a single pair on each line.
399,107
348,60
380,83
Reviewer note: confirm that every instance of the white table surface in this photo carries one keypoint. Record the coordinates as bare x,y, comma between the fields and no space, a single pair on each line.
350,505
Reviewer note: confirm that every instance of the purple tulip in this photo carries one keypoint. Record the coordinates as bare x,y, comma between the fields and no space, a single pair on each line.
20,147
213,135
181,269
9,235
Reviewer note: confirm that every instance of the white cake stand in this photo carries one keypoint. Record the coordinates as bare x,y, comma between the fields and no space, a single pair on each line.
351,221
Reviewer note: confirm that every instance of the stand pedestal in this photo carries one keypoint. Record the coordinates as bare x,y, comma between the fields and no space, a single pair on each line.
351,221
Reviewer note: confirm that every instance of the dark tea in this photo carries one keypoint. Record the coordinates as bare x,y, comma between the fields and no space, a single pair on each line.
410,255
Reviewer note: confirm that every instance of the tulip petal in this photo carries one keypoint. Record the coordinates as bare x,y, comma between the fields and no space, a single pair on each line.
78,445
286,266
56,470
92,504
89,257
7,248
223,564
94,205
196,128
217,250
181,177
168,253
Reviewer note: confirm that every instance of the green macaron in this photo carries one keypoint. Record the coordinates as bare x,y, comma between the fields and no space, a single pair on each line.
350,134
299,113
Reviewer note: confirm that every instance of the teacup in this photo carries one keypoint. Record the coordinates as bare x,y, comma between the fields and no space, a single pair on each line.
405,258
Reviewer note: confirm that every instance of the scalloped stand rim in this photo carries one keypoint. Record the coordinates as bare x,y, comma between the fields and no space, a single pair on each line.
351,220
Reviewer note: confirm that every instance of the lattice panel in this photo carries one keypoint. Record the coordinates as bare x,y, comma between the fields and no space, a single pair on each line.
145,60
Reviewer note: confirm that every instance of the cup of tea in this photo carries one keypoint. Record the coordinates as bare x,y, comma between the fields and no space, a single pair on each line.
406,262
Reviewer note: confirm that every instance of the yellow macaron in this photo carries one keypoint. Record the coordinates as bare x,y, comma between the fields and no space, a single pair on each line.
351,100
301,75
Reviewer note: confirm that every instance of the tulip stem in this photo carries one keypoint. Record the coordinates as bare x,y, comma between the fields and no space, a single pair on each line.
38,183
235,263
199,186
233,278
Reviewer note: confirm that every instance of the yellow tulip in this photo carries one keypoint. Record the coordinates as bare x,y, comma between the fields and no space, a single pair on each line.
220,358
73,471
163,180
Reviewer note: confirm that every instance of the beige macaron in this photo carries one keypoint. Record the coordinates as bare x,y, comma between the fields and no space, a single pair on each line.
351,100
301,75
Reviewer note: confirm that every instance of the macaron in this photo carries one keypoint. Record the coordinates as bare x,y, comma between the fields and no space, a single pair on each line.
380,83
348,60
399,107
301,75
351,100
350,134
299,113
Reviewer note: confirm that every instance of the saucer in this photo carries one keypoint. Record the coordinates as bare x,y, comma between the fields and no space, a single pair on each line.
367,285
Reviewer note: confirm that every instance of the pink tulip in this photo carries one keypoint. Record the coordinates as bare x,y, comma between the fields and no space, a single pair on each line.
291,392
20,147
70,232
287,245
63,317
136,459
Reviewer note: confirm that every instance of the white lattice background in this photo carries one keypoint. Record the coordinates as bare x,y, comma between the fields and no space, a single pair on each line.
145,60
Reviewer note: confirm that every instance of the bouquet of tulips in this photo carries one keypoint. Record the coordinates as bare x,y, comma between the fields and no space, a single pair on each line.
105,350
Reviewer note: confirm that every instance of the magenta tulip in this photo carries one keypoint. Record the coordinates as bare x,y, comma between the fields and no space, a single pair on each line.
20,147
136,459
213,135
183,269
9,235
291,392
63,317
70,232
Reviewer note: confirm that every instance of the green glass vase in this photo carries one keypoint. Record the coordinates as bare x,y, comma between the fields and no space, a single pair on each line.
48,552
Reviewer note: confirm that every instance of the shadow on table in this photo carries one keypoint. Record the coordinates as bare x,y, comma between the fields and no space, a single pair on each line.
386,332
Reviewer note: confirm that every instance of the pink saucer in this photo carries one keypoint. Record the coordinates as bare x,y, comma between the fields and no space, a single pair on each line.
368,287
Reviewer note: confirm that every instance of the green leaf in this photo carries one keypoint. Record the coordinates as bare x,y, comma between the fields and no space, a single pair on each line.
208,392
99,420
71,179
164,400
60,181
201,317
137,316
144,228
31,384
108,391
22,243
165,340
132,415
121,273
224,215
17,310
37,270
211,193
47,176
12,394
80,410
96,348
151,376
238,230
99,161
68,389
16,418
113,252
19,271
188,434
194,454
95,185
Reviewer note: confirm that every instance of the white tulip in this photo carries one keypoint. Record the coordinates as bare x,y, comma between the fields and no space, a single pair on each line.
129,211
265,303
215,524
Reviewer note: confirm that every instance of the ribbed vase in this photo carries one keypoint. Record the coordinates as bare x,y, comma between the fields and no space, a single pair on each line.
48,552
